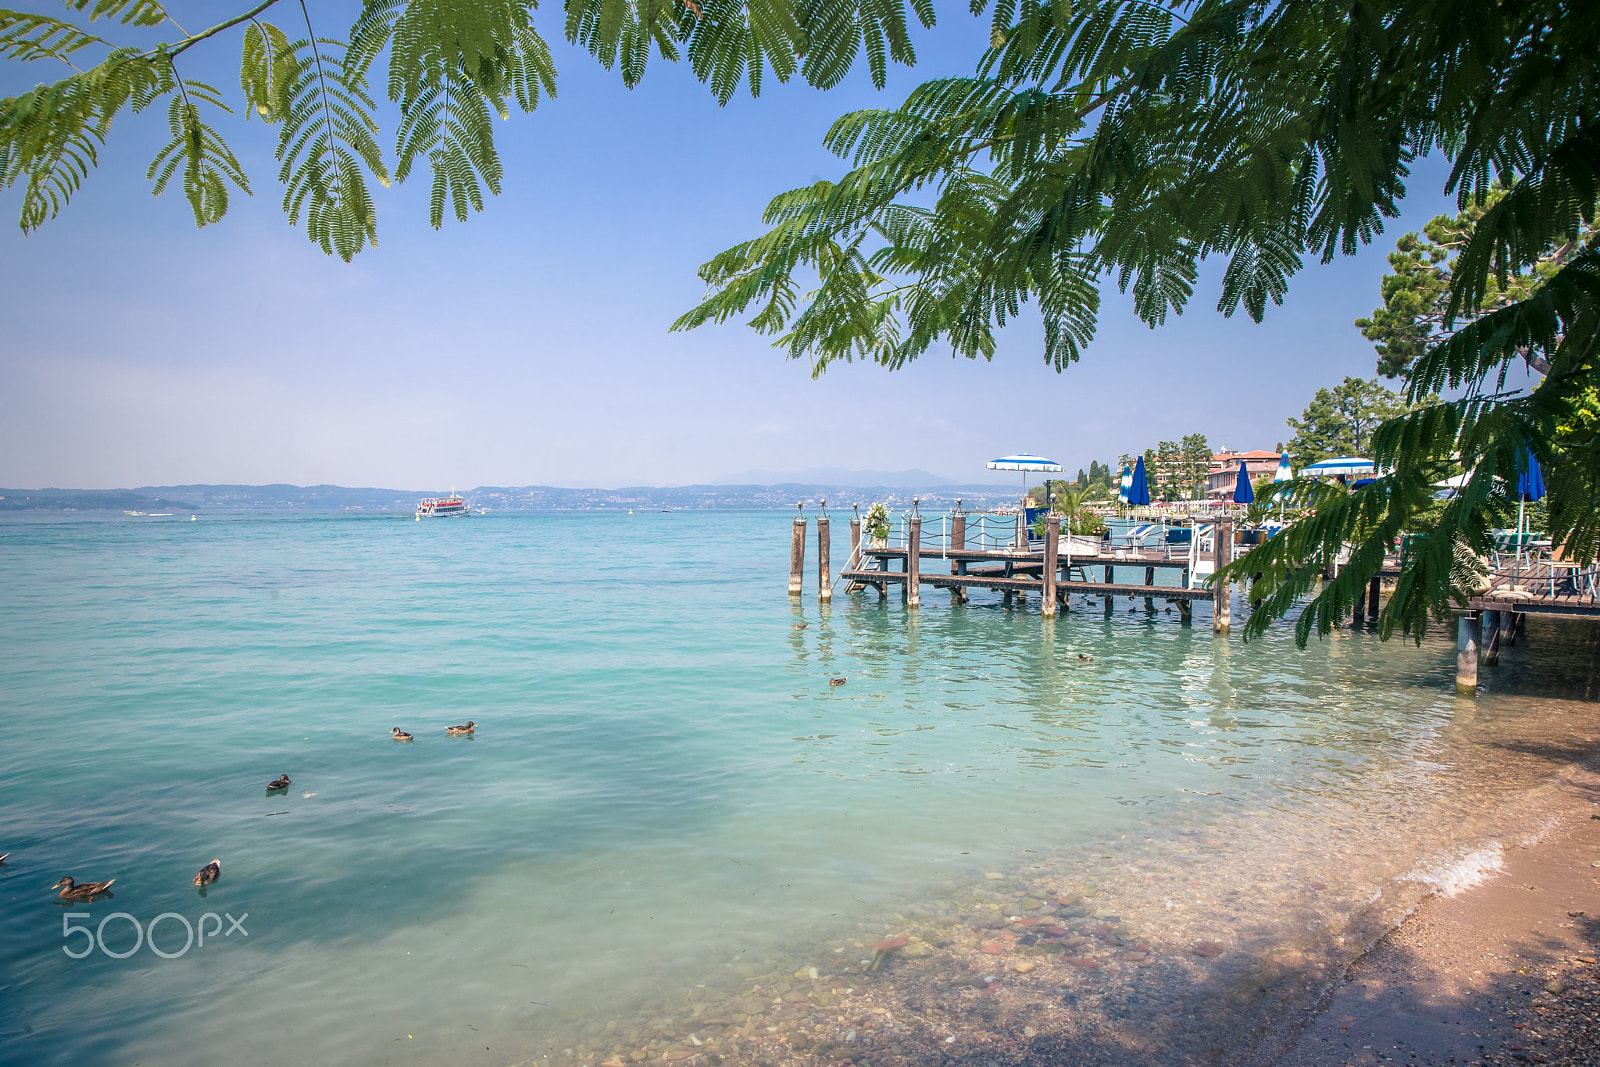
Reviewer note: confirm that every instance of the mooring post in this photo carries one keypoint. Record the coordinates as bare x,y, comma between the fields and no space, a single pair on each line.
1052,538
1358,613
797,555
1372,596
1492,621
958,542
1221,591
1185,611
1467,654
824,550
913,563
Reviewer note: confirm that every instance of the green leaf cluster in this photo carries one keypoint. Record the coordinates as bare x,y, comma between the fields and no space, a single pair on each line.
452,68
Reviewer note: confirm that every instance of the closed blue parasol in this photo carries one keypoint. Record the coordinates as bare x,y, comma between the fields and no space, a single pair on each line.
1243,491
1530,486
1530,480
1138,488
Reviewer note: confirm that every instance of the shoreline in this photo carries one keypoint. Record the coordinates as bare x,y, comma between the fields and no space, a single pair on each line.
1503,971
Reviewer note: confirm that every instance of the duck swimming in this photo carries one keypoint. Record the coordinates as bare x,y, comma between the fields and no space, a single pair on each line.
399,734
208,874
836,681
1084,658
280,782
461,731
801,625
71,890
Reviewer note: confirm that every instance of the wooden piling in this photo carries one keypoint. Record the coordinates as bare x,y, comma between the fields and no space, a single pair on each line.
1467,655
1372,596
797,557
913,552
1358,613
1493,622
1052,538
1221,592
1185,611
958,542
824,550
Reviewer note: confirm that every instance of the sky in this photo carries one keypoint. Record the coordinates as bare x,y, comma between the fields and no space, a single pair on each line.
529,345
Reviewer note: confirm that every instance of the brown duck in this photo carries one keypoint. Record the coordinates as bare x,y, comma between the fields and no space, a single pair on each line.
280,782
71,890
463,730
208,874
399,734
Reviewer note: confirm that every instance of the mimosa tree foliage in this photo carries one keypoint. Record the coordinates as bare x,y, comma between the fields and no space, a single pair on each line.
451,67
1129,140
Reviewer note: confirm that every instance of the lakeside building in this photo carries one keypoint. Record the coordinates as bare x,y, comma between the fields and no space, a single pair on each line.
1225,467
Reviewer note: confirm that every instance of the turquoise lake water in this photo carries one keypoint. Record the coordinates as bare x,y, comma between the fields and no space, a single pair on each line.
664,790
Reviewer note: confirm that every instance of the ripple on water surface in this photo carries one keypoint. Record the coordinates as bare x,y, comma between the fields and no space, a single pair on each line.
671,837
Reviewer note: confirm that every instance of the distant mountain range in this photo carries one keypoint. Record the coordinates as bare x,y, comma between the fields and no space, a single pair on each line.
935,494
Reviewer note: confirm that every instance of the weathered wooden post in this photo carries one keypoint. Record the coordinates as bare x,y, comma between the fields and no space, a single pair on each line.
1052,537
958,542
1358,613
1492,622
914,563
1467,654
1372,596
797,555
824,550
1221,591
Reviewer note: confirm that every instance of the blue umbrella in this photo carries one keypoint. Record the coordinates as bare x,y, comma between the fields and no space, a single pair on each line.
1122,486
1138,488
1530,481
1530,486
1243,491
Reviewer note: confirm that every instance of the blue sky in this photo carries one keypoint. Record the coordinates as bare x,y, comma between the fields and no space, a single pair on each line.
530,345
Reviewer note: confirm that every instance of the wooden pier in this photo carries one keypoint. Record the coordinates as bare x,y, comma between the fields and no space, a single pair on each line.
1040,568
1496,617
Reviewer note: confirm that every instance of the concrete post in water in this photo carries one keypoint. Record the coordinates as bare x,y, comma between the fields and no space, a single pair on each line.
1052,537
824,550
913,563
797,556
1467,655
1221,592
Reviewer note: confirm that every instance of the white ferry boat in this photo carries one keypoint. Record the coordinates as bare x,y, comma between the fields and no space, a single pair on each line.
442,507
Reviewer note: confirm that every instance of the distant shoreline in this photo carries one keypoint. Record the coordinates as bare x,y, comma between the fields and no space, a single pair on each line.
280,498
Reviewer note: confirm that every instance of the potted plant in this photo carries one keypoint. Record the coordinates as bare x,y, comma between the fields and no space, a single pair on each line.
877,524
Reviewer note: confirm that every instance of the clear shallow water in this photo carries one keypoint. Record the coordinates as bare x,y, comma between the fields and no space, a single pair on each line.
664,795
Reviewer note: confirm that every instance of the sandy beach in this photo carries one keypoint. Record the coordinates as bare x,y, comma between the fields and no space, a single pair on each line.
1503,972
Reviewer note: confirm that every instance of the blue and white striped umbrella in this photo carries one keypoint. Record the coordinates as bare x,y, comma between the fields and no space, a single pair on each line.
1127,480
1025,463
1285,472
1022,461
1339,465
